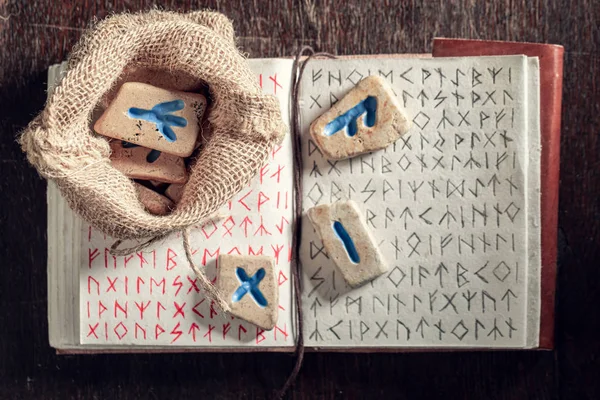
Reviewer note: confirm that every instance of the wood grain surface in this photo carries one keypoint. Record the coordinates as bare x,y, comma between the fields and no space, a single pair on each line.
36,34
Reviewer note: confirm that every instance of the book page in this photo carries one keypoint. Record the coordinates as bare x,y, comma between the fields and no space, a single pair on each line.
447,204
152,298
534,225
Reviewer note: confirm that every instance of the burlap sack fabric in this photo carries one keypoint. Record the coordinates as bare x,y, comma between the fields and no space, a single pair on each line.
245,122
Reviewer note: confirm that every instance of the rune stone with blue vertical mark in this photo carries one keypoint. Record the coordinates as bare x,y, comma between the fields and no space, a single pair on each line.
347,241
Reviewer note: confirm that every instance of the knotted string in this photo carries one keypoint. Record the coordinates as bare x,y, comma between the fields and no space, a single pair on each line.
297,72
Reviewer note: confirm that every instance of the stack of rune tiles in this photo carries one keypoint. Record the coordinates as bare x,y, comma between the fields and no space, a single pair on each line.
153,133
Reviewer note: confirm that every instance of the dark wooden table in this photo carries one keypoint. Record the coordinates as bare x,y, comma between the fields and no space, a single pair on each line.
37,34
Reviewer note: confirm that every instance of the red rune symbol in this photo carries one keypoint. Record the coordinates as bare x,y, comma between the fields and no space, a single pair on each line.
276,250
281,278
195,311
89,233
281,308
229,205
119,332
120,307
176,332
209,254
260,83
226,328
111,284
280,227
106,254
88,308
284,331
126,285
212,232
106,323
229,224
275,83
177,282
90,279
263,172
141,258
251,251
279,198
193,328
127,259
276,150
153,283
209,333
241,201
236,249
158,330
138,326
179,309
278,172
240,329
262,199
92,256
262,228
101,309
93,330
193,285
142,307
171,263
213,312
137,285
245,223
259,335
158,307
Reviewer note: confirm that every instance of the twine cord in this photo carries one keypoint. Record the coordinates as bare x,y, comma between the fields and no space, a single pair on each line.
211,292
297,72
115,251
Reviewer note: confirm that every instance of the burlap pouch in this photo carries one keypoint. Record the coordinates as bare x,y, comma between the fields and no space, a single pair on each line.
245,122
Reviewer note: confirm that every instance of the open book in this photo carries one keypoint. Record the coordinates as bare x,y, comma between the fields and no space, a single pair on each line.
454,206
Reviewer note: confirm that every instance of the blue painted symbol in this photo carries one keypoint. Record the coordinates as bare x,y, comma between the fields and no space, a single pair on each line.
150,158
248,284
161,115
348,119
347,241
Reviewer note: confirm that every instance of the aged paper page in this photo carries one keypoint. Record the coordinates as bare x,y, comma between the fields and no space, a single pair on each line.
447,204
153,298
